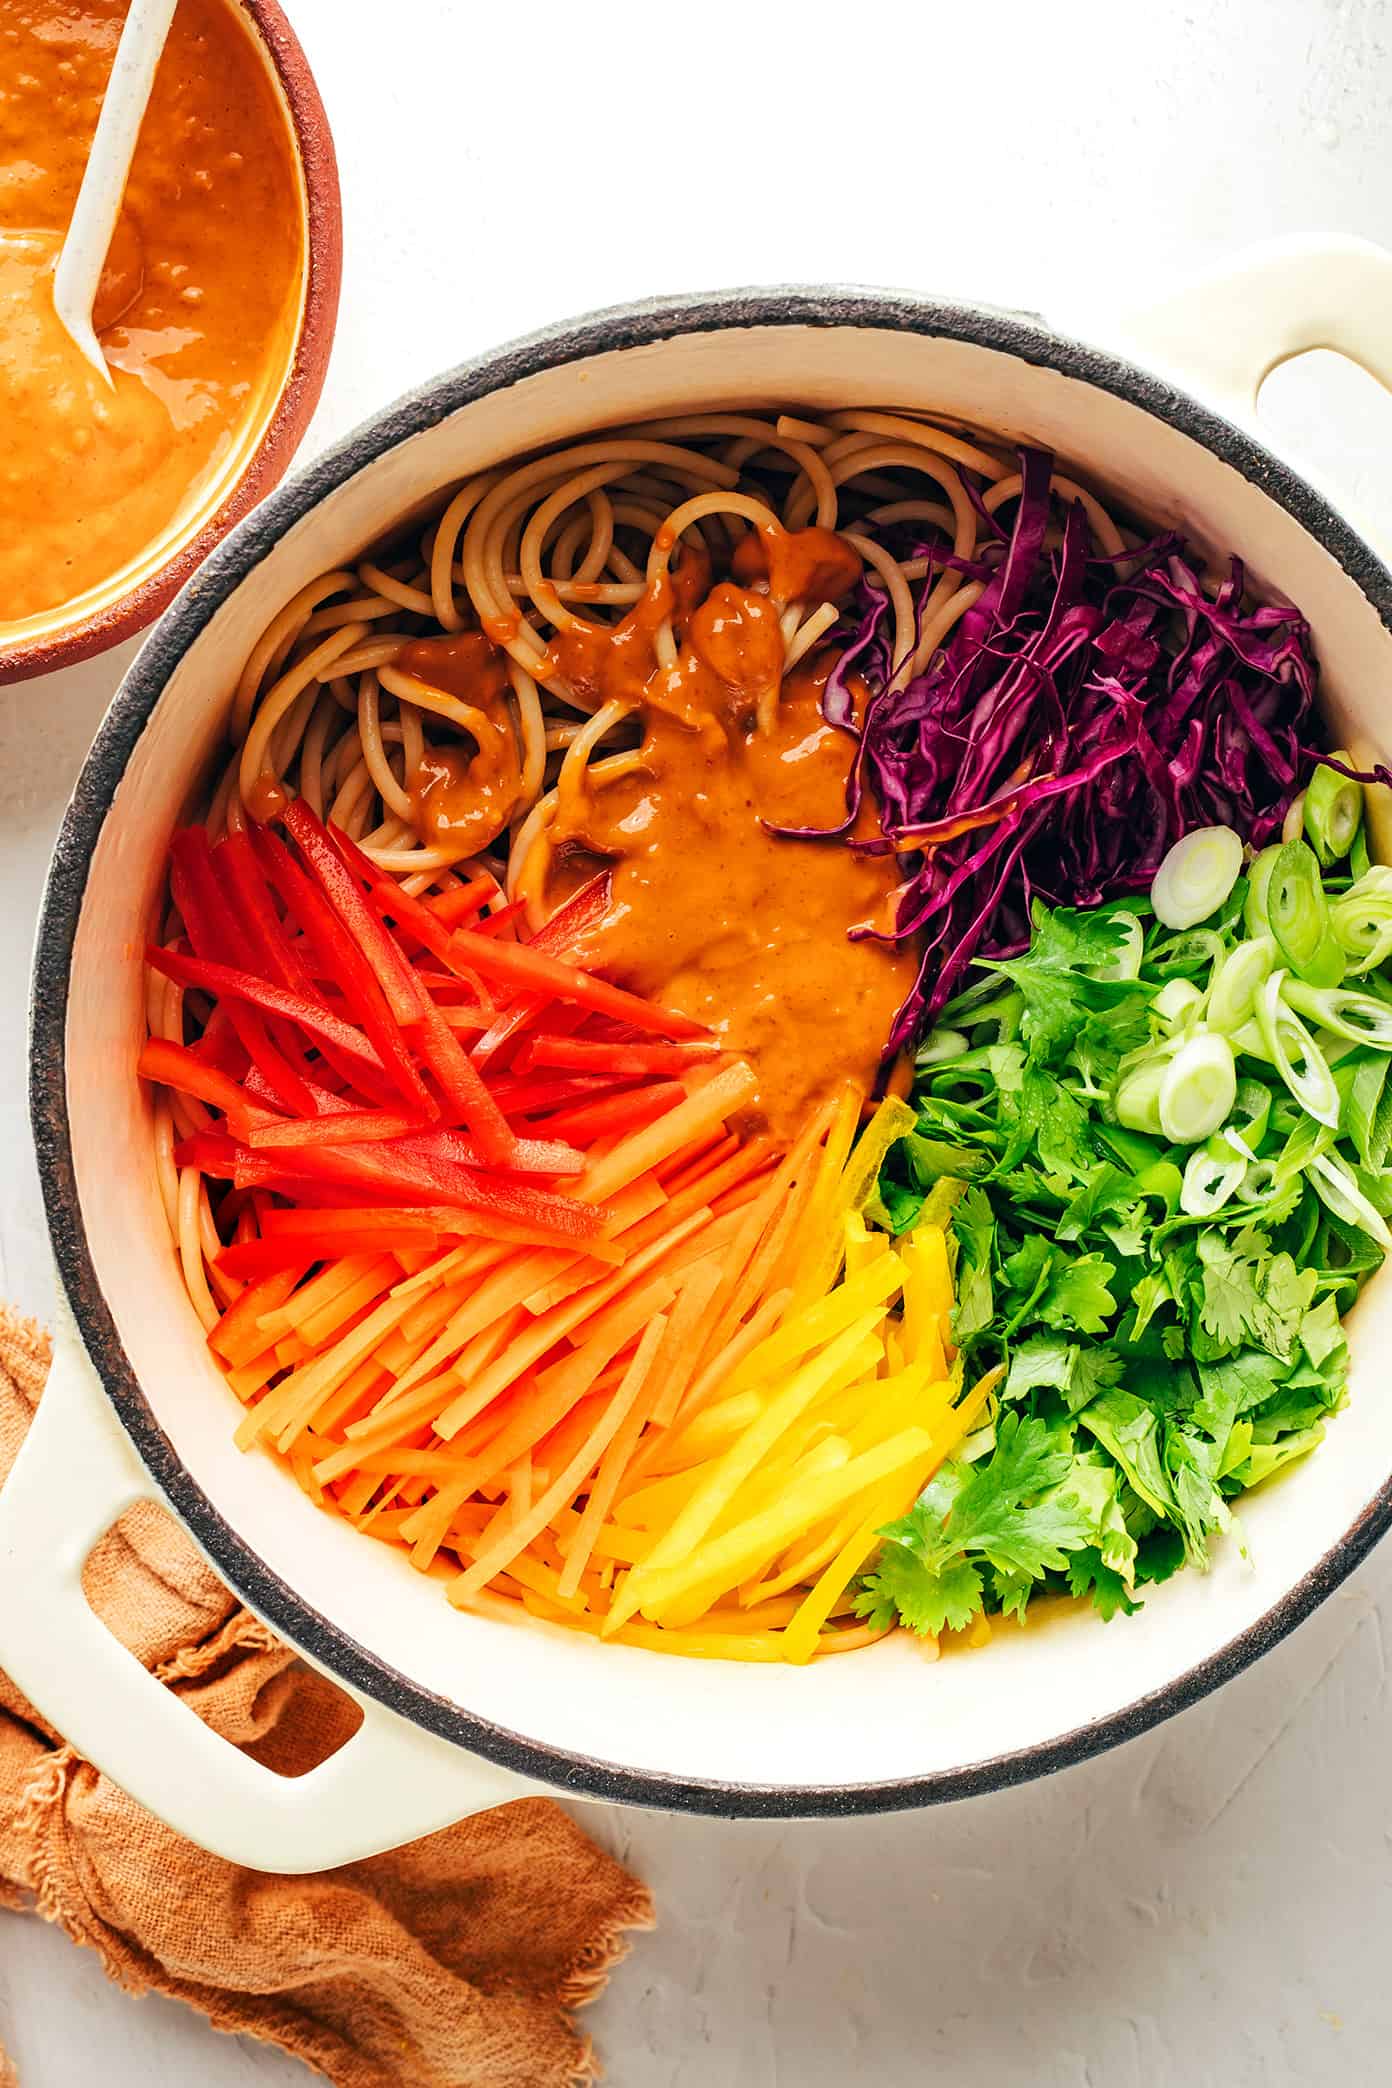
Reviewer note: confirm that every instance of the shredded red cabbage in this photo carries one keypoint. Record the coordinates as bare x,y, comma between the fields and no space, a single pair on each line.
1085,712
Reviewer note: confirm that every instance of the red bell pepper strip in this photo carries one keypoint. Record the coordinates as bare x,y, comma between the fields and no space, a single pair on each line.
220,1045
458,1220
250,1260
223,980
562,936
458,901
218,936
334,1127
174,1066
533,1097
339,864
332,1219
344,894
213,927
389,899
625,1112
462,1085
502,917
242,878
342,962
598,1055
211,1152
529,1155
568,926
448,986
526,966
433,1180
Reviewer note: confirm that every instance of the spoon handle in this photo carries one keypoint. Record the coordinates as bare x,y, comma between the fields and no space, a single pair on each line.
93,221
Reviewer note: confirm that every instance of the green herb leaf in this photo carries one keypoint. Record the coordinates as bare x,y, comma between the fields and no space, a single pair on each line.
1006,1511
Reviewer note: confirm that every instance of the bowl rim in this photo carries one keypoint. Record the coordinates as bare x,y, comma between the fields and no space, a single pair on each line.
618,327
303,381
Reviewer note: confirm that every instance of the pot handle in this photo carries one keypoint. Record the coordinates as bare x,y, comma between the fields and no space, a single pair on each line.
1223,333
76,1472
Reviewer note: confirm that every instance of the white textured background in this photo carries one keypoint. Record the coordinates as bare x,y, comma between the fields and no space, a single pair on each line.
1209,1907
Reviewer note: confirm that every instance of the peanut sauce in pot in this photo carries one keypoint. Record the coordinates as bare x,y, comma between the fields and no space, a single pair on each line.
464,800
744,929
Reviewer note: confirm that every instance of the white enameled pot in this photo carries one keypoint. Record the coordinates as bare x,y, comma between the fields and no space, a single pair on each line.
461,1712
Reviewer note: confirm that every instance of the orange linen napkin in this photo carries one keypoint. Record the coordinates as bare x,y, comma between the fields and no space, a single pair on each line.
453,1963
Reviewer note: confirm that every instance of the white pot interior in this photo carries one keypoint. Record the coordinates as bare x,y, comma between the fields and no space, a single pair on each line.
882,1714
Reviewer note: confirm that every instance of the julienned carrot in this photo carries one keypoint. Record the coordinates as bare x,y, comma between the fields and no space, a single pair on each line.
678,1357
765,1212
611,1470
706,1189
563,1488
237,1337
720,1098
497,1295
328,1284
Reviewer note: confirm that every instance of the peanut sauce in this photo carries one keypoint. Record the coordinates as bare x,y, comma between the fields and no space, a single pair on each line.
741,928
800,565
197,307
464,800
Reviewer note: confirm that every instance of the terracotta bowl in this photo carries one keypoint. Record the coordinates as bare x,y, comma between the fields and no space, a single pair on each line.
77,630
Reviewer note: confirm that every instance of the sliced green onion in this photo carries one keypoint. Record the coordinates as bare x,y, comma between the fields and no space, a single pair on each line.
1361,918
939,1045
1293,825
1198,1089
1295,1054
1334,1185
1333,811
1190,953
1258,881
1137,1099
1210,1183
1299,916
1251,1113
1125,960
1259,1181
1235,983
1359,859
1177,1002
1359,1017
1196,876
1248,1041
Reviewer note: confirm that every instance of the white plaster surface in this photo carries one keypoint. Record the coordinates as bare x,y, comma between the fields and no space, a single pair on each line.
1210,1906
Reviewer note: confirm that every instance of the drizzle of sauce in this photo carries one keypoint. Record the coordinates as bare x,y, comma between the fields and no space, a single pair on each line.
464,800
743,929
197,307
800,565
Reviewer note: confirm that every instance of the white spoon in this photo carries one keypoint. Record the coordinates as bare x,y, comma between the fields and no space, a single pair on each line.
98,205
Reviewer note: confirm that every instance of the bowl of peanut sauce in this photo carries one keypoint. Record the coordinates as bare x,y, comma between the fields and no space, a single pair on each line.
215,312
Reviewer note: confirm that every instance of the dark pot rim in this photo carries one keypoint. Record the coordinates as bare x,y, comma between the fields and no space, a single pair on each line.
301,383
628,326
